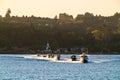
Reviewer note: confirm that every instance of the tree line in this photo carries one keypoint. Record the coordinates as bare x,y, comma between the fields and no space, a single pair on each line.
97,33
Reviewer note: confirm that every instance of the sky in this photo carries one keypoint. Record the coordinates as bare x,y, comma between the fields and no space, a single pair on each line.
50,8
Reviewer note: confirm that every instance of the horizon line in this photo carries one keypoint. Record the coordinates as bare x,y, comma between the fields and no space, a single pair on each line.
62,13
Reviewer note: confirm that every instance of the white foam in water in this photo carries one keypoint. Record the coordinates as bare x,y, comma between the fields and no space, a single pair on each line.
104,60
52,60
66,59
100,61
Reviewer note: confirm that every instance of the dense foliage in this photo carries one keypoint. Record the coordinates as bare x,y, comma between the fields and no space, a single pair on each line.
98,33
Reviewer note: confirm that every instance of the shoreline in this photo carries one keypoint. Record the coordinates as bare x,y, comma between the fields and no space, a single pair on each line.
15,53
67,53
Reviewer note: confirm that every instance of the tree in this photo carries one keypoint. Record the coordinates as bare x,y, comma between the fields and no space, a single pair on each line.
118,28
55,17
101,33
0,16
8,13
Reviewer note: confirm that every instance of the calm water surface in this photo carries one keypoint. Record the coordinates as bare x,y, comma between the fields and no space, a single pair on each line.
100,67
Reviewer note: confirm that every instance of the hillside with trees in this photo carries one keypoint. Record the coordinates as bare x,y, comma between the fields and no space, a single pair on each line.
97,33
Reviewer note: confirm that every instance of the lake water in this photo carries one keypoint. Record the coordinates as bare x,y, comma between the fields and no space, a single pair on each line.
100,67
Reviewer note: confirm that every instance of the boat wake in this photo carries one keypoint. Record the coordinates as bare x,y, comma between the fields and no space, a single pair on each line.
67,60
62,60
104,60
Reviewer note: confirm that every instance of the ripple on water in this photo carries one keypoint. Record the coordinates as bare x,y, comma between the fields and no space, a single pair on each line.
18,68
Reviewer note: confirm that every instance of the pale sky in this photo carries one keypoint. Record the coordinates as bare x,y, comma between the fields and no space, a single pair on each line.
50,8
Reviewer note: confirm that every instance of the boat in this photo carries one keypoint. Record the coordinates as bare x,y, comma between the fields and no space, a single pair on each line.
50,57
73,58
84,57
48,54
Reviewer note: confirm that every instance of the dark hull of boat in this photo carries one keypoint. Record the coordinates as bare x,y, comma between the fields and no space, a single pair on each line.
84,59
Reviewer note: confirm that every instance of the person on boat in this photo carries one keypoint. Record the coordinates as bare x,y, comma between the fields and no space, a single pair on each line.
57,54
38,52
84,57
83,54
58,51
